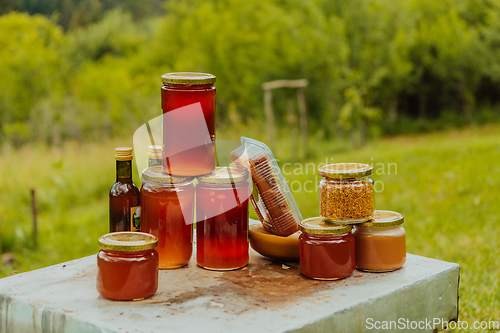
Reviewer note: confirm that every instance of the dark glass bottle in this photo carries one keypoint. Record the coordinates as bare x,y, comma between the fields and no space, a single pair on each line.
124,196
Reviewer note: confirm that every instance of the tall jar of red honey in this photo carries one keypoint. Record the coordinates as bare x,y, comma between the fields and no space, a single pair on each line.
188,120
222,215
326,250
127,266
167,209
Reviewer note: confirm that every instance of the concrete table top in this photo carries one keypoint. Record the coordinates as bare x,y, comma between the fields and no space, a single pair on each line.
265,296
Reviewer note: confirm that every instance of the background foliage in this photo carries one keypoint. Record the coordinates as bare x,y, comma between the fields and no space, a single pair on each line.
421,64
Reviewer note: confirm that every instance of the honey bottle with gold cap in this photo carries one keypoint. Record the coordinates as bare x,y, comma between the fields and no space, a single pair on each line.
124,196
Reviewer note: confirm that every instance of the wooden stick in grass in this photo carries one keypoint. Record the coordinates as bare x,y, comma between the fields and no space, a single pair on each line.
33,211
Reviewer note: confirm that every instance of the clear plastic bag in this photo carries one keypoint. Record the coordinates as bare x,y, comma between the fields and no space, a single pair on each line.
271,198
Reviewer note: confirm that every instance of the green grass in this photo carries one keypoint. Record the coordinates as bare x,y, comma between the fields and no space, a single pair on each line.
446,185
71,184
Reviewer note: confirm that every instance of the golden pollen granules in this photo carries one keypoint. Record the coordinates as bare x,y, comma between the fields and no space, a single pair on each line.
346,201
346,192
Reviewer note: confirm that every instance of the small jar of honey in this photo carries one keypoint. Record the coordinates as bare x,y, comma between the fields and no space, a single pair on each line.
127,266
326,249
381,242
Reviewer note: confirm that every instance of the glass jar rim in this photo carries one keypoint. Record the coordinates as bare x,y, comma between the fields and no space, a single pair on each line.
224,175
345,170
384,218
158,174
128,241
188,78
323,226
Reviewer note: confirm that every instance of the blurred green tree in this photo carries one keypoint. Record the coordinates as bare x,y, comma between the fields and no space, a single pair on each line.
490,33
407,59
30,53
446,51
247,43
358,119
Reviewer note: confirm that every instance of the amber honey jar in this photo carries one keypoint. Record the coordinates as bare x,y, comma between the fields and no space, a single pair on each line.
167,209
326,250
188,104
381,242
346,192
127,266
222,215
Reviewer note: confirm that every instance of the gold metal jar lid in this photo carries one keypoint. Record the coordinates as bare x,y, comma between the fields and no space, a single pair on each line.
157,174
345,170
128,241
188,78
123,153
322,226
224,175
154,151
384,218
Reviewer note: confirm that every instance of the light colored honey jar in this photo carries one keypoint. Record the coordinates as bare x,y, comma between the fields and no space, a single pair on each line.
381,242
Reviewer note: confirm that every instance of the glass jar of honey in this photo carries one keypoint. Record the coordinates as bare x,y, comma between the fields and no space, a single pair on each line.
188,104
326,250
346,192
167,209
127,266
381,242
222,215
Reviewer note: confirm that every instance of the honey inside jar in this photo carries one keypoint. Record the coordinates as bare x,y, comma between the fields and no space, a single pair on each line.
222,214
326,250
167,204
381,242
127,266
188,104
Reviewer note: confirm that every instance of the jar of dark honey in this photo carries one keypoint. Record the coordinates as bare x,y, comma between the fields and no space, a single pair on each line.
222,219
326,250
188,104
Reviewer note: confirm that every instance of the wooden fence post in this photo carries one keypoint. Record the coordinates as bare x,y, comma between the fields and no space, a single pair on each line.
292,121
301,99
301,96
33,211
268,109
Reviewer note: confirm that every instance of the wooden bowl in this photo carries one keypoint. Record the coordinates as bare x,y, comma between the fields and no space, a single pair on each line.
272,246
